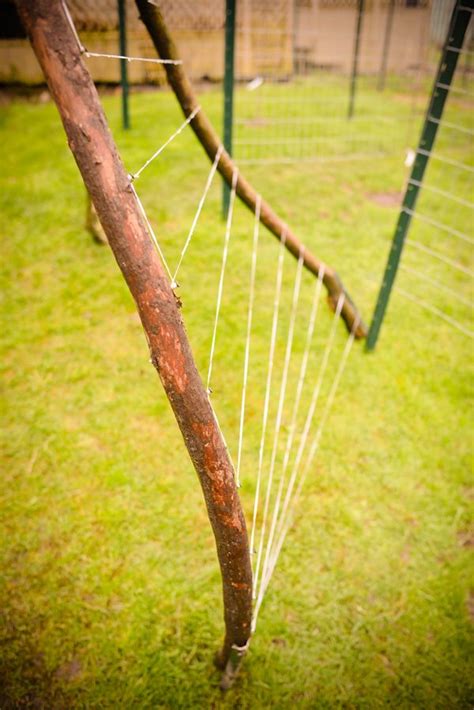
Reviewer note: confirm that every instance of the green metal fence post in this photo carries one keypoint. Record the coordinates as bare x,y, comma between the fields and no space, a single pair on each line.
386,46
123,62
228,89
447,67
355,59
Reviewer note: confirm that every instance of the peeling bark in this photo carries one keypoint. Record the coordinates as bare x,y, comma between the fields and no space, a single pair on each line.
210,141
109,187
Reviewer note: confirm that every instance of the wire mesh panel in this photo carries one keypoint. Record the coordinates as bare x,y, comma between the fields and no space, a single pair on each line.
302,63
438,266
435,224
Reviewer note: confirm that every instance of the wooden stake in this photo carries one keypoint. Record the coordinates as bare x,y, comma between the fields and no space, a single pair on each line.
210,141
91,143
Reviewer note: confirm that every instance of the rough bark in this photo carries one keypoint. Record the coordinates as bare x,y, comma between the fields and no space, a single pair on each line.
210,141
109,186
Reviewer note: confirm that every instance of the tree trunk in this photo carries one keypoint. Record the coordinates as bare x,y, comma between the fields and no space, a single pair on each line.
107,181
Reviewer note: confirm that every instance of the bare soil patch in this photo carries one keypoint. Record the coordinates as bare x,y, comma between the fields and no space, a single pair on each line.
386,199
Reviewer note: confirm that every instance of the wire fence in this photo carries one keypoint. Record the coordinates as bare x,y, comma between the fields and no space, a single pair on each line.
437,217
438,267
325,81
302,91
294,71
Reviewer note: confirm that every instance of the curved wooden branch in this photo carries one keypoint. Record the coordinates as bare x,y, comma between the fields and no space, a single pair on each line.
210,141
108,183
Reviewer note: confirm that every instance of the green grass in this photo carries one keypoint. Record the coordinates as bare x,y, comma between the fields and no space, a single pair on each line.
110,589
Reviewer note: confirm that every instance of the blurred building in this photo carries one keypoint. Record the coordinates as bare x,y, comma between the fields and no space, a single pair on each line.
277,38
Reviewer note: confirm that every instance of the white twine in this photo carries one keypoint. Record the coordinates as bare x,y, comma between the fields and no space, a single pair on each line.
135,176
281,403
296,406
253,270
267,393
210,178
151,232
152,60
225,251
312,453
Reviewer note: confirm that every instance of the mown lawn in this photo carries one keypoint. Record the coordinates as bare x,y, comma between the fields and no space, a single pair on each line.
110,589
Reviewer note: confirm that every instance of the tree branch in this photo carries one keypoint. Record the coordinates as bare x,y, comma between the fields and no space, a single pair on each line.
108,183
210,141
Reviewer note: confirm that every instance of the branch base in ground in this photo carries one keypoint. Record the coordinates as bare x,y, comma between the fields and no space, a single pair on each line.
230,663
